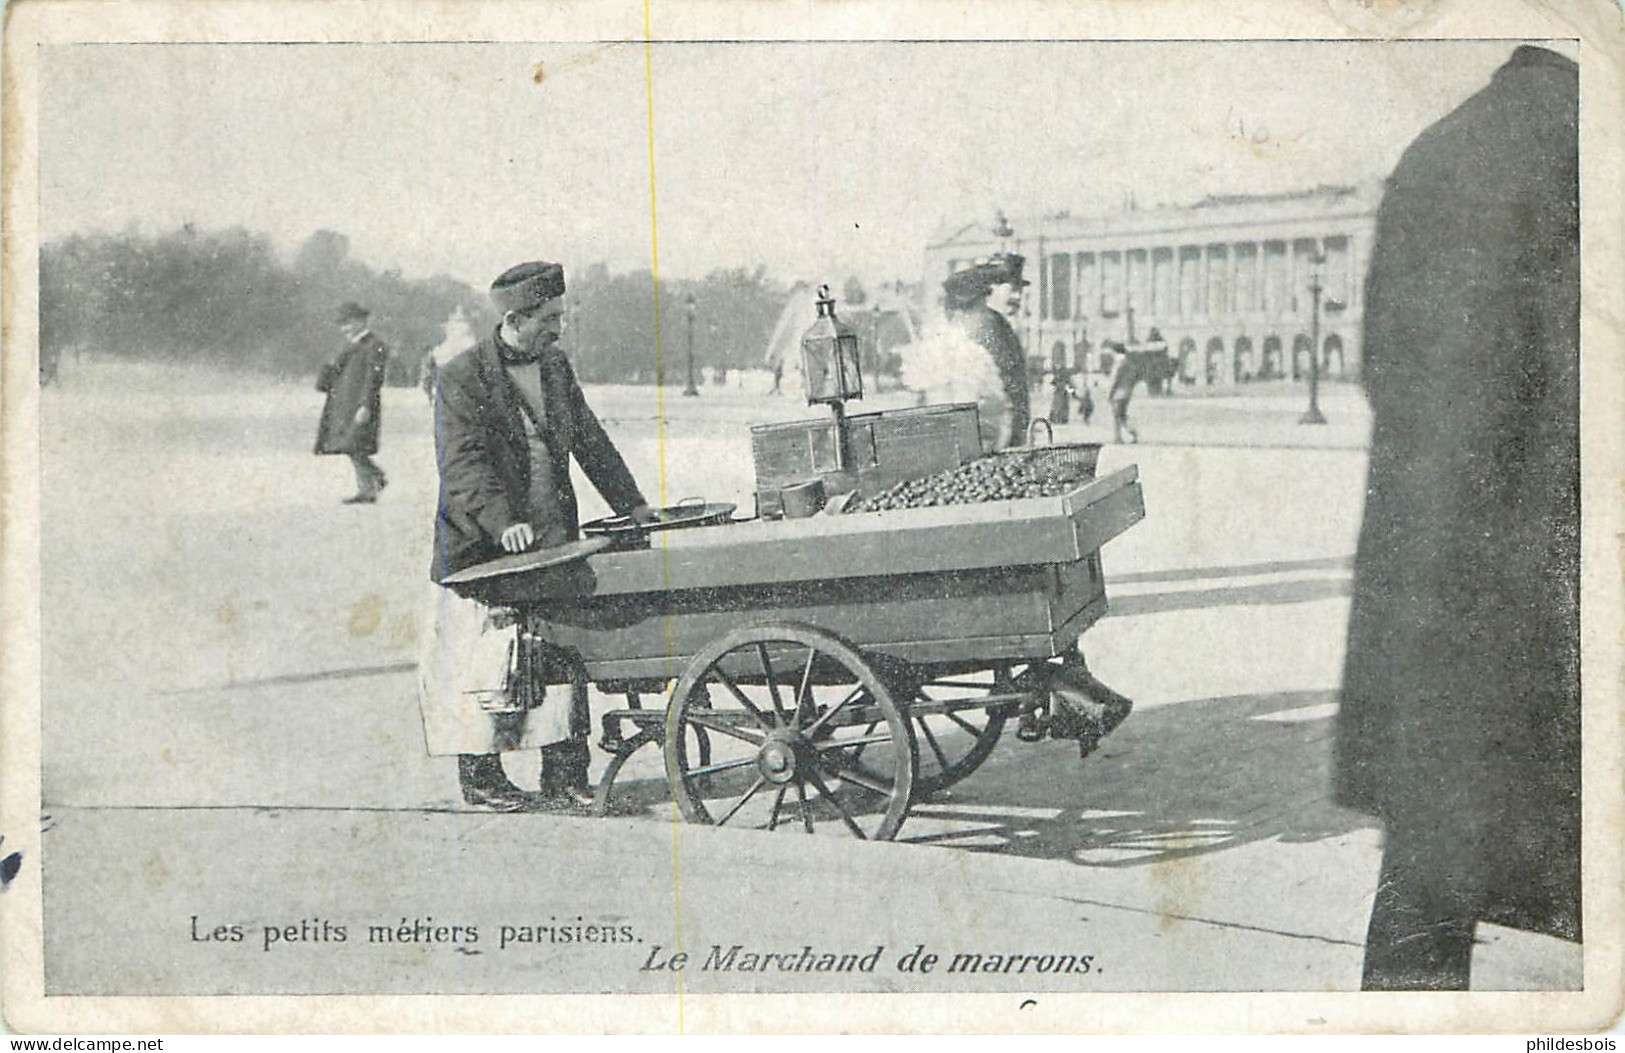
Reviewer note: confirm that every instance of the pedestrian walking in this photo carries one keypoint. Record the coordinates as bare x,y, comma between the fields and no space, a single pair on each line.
1126,373
509,418
1060,400
1459,725
353,383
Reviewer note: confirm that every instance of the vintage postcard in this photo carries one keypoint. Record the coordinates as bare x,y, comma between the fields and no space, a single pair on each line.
649,517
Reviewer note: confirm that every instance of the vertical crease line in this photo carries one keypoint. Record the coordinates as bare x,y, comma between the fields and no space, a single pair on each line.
660,436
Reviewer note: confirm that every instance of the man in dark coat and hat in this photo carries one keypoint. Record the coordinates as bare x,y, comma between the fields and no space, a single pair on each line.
1460,720
354,384
509,416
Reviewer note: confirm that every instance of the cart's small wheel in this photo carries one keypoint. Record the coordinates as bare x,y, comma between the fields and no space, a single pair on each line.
957,722
804,734
700,745
606,781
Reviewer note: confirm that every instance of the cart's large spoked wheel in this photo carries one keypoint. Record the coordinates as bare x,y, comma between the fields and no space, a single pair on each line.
804,734
957,722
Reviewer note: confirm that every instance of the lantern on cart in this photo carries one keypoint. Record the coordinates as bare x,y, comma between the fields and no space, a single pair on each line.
829,364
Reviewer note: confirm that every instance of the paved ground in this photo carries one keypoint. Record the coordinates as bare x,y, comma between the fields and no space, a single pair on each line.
229,734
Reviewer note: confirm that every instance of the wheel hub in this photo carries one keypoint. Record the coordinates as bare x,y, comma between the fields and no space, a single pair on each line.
781,756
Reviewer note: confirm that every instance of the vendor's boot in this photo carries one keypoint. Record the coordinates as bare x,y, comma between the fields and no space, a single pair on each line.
485,784
564,772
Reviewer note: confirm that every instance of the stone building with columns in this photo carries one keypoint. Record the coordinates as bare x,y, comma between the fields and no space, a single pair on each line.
1227,282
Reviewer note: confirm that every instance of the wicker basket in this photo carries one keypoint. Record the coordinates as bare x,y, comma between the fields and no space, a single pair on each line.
1074,461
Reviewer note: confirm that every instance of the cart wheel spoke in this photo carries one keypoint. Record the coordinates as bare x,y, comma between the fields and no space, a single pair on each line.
806,816
772,685
846,816
803,692
773,817
931,740
706,720
852,696
962,722
863,743
712,769
757,785
733,689
869,780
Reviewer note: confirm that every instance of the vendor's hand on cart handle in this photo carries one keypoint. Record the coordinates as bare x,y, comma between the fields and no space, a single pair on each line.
518,537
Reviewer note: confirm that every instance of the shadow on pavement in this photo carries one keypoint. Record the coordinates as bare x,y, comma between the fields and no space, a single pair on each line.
1240,570
1174,781
1233,596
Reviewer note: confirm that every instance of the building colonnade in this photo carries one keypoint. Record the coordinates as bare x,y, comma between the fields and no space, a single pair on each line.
1227,287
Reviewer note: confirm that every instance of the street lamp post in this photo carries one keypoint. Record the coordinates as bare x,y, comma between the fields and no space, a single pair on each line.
1313,415
691,389
874,335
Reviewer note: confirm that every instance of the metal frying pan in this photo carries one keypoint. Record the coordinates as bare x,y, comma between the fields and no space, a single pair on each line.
523,562
623,531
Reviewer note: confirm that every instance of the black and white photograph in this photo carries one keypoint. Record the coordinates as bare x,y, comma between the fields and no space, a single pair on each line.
999,508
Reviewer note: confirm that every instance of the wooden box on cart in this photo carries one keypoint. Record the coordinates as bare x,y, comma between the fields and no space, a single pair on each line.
885,448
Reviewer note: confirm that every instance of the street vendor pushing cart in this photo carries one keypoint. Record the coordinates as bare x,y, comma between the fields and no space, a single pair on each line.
509,415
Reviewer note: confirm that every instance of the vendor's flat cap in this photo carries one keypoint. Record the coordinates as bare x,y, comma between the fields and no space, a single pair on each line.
527,286
350,311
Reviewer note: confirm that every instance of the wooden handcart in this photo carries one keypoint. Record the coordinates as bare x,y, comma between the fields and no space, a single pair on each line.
830,671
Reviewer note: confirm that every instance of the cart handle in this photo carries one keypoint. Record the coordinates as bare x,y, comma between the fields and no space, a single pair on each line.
1049,432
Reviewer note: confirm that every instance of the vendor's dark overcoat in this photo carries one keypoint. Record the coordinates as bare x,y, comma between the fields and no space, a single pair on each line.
1460,710
355,379
992,330
485,464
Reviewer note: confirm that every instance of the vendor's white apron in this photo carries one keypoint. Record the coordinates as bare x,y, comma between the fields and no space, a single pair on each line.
464,657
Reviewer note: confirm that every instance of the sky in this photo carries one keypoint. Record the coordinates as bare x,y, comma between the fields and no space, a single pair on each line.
817,160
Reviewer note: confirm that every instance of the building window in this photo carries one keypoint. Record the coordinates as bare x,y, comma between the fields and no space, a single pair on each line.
1247,277
1190,284
1331,362
1336,278
1111,283
1088,286
1060,280
1244,360
1164,302
1218,280
1139,280
1270,366
1213,367
1302,351
1275,283
1304,266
